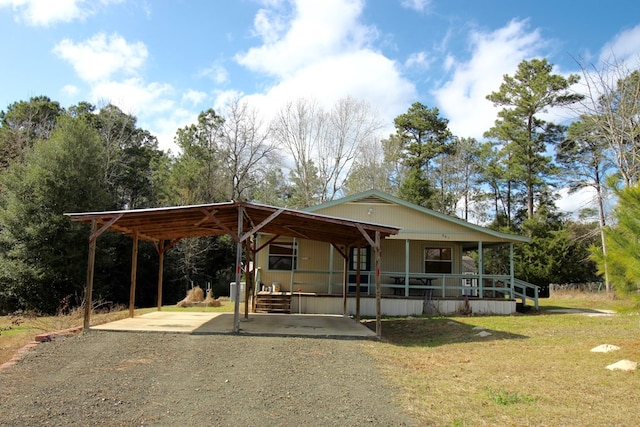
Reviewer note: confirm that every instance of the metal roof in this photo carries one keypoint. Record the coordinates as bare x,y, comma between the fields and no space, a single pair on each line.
170,223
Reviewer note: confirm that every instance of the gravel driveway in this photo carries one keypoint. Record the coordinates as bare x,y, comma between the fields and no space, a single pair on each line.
115,378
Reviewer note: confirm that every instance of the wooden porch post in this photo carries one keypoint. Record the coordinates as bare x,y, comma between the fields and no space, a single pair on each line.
331,261
88,295
511,269
480,270
134,272
378,290
358,284
407,266
345,280
160,272
236,308
247,277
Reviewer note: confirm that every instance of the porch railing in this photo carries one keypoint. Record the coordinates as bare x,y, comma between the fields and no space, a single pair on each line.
428,285
521,290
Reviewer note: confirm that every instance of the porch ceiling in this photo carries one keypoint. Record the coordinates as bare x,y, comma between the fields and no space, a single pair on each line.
171,223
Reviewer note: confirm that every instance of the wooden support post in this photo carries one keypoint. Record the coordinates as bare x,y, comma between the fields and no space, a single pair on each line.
358,283
378,250
345,280
512,274
236,308
160,273
480,270
88,292
247,277
407,266
134,272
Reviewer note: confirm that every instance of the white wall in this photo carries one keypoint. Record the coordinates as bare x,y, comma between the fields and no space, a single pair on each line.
307,304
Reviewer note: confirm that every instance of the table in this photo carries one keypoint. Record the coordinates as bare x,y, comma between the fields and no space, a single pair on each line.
427,281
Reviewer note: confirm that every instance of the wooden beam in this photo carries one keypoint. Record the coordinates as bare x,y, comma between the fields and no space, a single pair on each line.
160,273
378,290
358,282
296,233
173,242
267,243
345,282
267,220
96,233
236,308
134,272
206,217
222,225
88,297
366,235
340,251
247,277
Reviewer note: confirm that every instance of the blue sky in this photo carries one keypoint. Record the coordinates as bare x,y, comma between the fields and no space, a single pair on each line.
165,61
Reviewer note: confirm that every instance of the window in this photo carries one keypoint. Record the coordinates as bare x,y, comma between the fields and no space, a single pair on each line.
365,266
438,260
365,259
283,256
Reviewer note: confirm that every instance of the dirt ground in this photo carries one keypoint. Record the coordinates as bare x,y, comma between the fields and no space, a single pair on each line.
124,379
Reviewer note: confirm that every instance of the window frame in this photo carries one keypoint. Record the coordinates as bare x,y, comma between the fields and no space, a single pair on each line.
365,258
439,261
275,258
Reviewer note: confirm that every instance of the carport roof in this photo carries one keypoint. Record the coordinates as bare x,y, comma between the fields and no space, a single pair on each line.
170,223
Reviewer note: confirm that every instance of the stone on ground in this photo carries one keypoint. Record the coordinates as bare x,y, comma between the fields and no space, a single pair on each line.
623,365
605,348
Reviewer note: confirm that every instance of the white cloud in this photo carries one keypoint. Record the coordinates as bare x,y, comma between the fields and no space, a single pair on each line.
217,73
324,54
112,67
315,31
462,99
418,60
134,96
417,5
225,97
152,103
164,127
70,90
575,202
193,97
100,57
47,12
624,47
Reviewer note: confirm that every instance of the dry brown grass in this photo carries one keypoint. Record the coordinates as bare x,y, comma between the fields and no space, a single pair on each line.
533,370
194,295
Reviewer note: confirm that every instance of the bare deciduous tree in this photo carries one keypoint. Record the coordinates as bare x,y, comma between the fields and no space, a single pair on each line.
244,144
612,107
323,145
610,124
351,123
299,127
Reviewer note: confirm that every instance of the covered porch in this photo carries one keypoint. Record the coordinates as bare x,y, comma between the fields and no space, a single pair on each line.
435,264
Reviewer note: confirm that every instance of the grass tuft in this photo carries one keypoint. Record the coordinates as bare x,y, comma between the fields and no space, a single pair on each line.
506,398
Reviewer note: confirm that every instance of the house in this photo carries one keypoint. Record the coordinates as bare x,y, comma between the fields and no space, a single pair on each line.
426,267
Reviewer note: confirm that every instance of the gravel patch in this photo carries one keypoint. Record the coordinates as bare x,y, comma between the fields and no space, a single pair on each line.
114,378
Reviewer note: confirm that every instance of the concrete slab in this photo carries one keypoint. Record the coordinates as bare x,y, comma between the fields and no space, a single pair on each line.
301,325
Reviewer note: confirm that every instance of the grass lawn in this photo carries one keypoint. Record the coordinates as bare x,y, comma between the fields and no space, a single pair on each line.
533,369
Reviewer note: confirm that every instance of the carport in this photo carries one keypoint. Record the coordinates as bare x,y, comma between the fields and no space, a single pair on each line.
164,227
